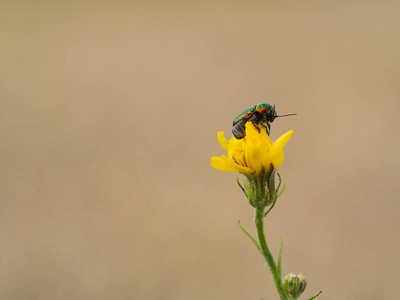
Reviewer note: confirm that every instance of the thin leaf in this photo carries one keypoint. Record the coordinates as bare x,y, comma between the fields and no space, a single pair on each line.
315,296
280,255
251,237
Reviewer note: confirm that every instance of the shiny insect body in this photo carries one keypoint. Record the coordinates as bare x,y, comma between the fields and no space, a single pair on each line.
261,114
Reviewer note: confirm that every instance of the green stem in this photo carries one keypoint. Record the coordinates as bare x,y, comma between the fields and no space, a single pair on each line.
259,220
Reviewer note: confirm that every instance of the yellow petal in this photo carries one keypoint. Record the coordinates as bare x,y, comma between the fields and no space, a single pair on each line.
225,164
281,142
236,148
254,155
266,158
278,159
222,140
251,130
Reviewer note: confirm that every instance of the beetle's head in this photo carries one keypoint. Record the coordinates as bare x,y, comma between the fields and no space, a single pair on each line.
271,114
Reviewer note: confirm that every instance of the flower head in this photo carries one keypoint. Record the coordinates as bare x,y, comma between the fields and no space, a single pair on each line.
252,155
294,285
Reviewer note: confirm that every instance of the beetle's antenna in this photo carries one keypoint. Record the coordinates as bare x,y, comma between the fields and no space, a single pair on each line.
287,115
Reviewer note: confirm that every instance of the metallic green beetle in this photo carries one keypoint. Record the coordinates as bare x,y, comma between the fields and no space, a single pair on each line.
258,115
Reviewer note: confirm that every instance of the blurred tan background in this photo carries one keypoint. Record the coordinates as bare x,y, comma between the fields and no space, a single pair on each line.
109,116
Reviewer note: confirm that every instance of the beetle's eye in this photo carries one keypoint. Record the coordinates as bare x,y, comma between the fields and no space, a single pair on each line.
271,113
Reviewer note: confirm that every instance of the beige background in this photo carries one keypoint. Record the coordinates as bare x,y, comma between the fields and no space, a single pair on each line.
109,116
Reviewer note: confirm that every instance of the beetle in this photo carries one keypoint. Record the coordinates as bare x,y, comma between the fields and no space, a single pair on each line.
258,115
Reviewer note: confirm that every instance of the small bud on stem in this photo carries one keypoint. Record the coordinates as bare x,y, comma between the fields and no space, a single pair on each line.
294,285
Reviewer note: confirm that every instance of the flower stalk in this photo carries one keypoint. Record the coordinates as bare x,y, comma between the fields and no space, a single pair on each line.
259,221
261,193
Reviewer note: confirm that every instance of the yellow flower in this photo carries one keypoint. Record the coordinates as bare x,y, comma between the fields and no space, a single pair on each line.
251,155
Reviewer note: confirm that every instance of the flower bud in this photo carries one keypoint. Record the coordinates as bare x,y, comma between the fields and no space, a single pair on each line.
294,285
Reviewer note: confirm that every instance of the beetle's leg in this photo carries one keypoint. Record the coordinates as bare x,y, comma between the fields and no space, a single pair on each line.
255,125
267,127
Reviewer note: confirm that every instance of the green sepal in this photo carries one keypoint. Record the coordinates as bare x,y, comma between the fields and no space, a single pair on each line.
270,180
282,190
279,191
241,187
280,181
274,196
250,189
275,192
267,199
